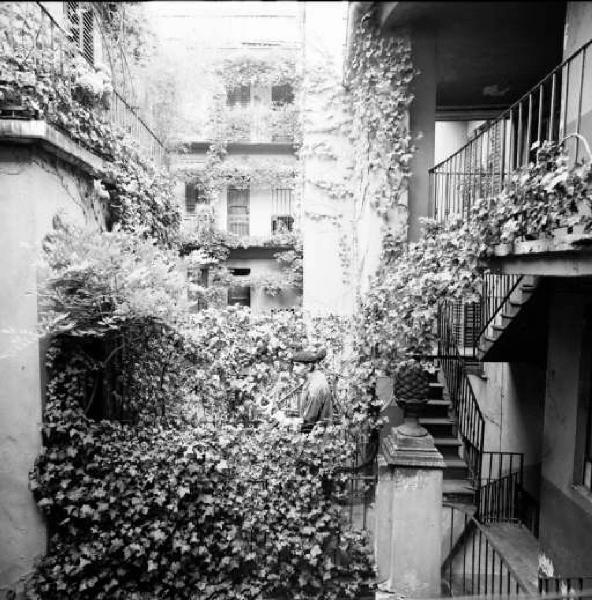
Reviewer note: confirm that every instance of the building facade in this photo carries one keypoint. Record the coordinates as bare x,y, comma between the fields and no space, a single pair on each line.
52,55
237,134
494,87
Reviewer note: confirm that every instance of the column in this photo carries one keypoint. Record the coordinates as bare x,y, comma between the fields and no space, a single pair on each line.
410,485
422,116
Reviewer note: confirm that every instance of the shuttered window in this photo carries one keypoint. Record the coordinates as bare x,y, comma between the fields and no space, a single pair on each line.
239,96
238,211
193,197
81,28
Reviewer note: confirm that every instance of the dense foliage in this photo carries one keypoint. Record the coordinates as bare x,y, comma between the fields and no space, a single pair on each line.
151,485
379,77
546,195
248,69
76,99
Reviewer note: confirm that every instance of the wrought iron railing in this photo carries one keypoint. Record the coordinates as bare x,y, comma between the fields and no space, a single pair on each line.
471,424
473,566
500,492
567,587
497,289
552,110
35,36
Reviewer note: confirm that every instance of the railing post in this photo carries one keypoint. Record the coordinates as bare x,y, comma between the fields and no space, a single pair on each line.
411,489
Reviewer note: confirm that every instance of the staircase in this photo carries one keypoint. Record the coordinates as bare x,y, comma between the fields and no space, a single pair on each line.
439,421
503,311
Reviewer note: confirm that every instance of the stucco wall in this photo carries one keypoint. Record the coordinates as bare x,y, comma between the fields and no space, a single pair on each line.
33,188
566,508
328,233
260,301
511,398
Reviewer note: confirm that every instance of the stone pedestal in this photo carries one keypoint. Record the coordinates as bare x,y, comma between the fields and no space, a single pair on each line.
408,538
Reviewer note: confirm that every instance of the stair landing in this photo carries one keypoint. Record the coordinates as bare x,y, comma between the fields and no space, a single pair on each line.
519,548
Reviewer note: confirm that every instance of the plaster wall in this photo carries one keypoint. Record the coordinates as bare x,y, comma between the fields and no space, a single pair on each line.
566,507
33,188
511,398
328,232
422,121
260,196
260,301
193,37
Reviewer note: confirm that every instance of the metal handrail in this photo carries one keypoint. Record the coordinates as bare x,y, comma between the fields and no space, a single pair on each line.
477,570
471,422
490,311
482,166
513,106
55,50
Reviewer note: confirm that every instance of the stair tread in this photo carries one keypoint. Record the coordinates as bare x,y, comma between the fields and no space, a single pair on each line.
519,548
457,486
454,462
438,402
447,441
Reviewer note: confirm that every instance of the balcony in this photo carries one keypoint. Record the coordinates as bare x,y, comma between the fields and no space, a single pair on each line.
261,124
556,110
525,173
44,67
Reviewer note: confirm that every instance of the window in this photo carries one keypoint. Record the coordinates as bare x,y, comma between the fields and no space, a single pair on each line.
239,294
282,94
193,197
198,276
80,23
466,323
282,218
238,210
238,96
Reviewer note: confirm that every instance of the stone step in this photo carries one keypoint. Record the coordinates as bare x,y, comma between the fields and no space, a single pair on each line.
436,408
439,426
456,468
458,491
448,446
436,391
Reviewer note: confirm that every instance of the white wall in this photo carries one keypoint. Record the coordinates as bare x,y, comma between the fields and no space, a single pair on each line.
260,301
32,191
329,260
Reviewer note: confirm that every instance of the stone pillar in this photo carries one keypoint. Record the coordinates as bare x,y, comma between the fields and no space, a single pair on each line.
422,119
410,484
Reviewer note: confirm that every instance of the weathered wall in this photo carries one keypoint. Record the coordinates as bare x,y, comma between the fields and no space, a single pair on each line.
33,188
194,36
566,507
511,398
422,118
327,216
261,301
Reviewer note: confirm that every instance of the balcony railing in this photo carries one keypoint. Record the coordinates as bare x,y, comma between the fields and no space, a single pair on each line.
552,110
31,34
261,124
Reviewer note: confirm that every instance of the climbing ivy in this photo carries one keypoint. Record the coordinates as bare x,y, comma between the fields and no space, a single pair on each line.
76,101
149,480
379,77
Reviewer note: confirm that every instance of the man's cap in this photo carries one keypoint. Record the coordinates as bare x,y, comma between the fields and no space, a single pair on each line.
309,355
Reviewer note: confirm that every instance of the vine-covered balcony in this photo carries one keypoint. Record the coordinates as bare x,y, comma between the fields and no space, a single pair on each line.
58,65
524,160
275,124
